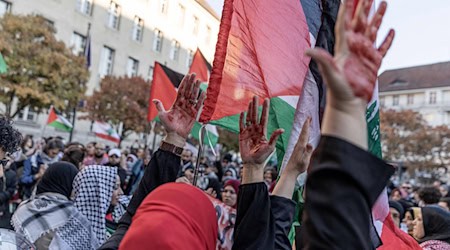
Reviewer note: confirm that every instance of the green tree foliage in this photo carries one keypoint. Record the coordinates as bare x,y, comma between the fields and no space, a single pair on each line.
42,71
121,100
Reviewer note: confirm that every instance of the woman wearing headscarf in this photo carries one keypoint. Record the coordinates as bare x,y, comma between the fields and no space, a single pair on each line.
49,219
430,226
230,192
95,193
168,219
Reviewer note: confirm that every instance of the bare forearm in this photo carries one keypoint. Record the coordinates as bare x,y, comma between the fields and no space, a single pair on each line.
285,185
252,174
346,121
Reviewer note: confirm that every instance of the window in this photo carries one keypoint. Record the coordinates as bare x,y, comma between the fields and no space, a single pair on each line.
181,15
84,6
150,73
163,6
410,99
433,97
382,101
157,43
27,114
132,67
195,27
78,43
208,35
189,58
395,101
107,61
138,28
5,7
175,51
114,15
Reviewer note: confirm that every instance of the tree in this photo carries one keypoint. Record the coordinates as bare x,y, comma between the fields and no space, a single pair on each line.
42,71
121,100
406,137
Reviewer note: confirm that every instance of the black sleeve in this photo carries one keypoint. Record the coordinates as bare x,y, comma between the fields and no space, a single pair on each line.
11,185
262,222
342,186
215,185
163,168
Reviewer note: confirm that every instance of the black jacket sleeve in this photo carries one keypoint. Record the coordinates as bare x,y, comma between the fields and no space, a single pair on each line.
10,186
262,221
163,168
342,186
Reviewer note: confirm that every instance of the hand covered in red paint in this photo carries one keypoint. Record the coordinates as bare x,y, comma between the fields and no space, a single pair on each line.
253,144
179,119
352,73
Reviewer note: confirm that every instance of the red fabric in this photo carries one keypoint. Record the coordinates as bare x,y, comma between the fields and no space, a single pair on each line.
260,51
395,239
161,89
52,116
174,216
199,67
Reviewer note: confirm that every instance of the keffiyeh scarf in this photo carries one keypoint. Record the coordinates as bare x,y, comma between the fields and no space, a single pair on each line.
93,188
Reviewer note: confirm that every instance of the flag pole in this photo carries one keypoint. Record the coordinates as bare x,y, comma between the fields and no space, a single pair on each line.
154,137
199,155
74,115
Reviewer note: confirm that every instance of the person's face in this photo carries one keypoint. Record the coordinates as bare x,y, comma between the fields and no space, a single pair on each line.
395,216
140,153
437,184
396,196
29,143
116,193
189,174
418,230
408,220
444,205
186,156
228,173
52,153
90,149
99,150
443,191
407,188
114,159
268,176
229,196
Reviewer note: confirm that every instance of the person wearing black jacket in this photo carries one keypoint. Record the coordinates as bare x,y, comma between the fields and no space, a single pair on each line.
165,164
344,179
10,139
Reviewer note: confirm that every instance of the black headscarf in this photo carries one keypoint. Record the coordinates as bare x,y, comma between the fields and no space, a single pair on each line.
436,222
58,178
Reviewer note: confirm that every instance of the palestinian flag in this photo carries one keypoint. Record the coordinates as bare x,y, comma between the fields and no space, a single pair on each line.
105,131
247,63
3,65
200,66
56,120
164,88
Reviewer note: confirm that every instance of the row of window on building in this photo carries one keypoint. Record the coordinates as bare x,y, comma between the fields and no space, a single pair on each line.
114,14
409,99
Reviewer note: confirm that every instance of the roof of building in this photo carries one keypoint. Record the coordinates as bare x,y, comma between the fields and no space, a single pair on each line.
419,77
208,8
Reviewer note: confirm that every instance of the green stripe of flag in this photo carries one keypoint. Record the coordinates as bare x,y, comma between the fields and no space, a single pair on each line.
3,66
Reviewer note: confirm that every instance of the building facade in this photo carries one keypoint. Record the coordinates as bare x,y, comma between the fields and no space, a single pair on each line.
425,89
126,38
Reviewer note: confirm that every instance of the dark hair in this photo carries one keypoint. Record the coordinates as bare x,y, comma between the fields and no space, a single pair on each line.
429,195
273,172
52,144
25,140
74,154
10,137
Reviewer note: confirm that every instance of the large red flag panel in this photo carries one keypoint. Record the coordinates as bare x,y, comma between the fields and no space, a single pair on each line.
260,51
162,89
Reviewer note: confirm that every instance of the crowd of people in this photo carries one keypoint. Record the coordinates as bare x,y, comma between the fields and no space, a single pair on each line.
75,196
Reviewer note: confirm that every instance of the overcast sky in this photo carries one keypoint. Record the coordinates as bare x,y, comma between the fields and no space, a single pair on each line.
422,31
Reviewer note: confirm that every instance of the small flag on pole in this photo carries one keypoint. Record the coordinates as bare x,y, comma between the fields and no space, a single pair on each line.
105,131
58,121
200,66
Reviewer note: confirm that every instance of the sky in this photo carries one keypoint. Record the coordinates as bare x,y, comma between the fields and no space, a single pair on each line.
422,32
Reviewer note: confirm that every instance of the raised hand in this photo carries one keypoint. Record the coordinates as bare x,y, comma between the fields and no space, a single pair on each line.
180,118
301,156
253,144
352,72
